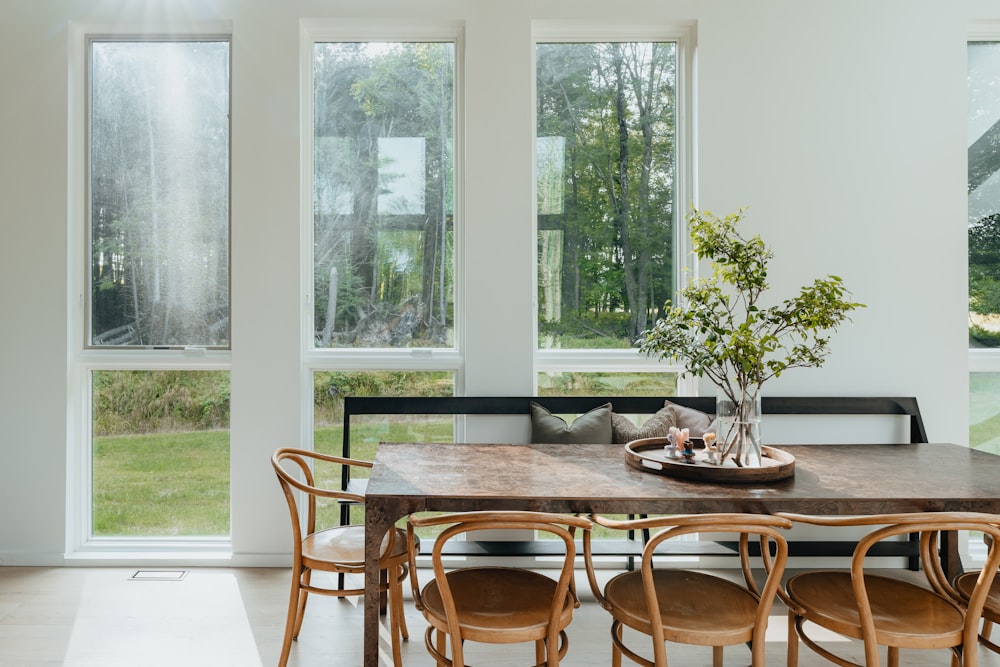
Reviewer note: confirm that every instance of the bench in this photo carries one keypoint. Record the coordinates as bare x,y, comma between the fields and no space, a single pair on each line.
630,547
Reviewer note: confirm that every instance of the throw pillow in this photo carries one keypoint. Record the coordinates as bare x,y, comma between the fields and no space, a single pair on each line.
657,426
591,428
695,421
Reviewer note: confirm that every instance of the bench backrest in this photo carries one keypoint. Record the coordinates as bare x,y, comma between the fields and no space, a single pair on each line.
519,405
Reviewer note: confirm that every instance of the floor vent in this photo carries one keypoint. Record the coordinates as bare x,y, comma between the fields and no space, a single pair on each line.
158,575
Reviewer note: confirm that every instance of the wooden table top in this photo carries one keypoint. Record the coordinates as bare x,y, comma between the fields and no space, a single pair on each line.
830,479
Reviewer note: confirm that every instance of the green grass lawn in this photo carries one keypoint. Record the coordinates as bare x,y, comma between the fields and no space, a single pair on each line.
177,484
984,411
163,484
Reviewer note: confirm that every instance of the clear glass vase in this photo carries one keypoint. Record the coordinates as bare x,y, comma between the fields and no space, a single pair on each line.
738,427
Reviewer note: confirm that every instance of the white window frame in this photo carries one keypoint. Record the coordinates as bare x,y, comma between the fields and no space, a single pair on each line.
981,360
81,544
313,31
684,34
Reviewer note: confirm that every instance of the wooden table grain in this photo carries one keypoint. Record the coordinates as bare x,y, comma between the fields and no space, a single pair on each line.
829,479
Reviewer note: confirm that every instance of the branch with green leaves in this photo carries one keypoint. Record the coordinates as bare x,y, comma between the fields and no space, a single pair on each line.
721,332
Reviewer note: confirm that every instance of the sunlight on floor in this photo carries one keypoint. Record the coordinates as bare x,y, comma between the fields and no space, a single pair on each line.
166,622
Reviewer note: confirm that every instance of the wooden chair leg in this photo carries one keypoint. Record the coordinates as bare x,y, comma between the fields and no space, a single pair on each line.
396,622
793,642
441,646
403,631
717,656
303,596
293,607
892,656
616,654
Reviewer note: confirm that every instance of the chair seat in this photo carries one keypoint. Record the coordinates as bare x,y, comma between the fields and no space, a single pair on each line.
498,604
345,547
904,614
964,584
695,608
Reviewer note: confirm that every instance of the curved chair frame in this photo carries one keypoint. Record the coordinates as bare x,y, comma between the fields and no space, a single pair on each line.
767,529
963,584
929,525
447,621
339,549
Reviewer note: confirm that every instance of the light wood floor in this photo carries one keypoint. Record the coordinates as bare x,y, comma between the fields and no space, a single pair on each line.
100,617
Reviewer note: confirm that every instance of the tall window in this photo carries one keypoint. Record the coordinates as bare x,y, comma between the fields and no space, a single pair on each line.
383,196
607,201
984,243
158,276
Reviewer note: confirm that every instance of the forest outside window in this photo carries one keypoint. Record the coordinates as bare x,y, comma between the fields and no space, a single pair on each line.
158,152
383,195
606,181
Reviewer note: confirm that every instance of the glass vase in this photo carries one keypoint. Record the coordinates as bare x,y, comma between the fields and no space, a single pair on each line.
738,427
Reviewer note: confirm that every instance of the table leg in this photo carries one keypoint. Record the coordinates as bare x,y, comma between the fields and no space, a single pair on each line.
378,520
951,561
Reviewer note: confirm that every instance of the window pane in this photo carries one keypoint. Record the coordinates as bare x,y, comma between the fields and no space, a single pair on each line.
159,193
606,128
383,194
329,389
984,194
160,453
984,411
607,384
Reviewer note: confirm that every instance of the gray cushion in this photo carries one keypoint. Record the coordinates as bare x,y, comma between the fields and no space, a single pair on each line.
592,428
623,430
695,421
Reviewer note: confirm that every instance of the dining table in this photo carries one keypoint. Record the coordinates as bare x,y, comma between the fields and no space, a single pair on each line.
834,479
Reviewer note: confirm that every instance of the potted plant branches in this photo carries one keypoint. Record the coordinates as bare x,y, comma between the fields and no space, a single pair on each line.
721,328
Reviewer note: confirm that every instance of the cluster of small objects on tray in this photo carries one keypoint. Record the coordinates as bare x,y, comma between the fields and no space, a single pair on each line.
680,446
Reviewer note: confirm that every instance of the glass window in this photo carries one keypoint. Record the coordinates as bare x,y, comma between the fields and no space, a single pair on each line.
383,228
984,194
160,453
158,193
367,431
607,384
606,125
158,272
984,411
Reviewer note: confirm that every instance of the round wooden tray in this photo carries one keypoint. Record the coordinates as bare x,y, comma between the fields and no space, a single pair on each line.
648,455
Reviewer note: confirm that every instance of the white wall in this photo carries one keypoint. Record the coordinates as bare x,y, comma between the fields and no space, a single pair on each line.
841,124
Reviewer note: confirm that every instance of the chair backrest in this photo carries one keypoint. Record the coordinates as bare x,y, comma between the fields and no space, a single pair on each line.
767,530
929,526
560,526
294,468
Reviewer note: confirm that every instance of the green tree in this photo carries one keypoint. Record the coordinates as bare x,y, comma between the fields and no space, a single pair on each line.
984,265
159,189
615,105
369,247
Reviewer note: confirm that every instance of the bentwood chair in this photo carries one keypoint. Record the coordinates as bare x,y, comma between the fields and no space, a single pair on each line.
691,607
339,549
496,605
965,584
891,611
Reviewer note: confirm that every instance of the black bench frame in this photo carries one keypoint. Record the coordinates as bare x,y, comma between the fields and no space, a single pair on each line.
630,547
